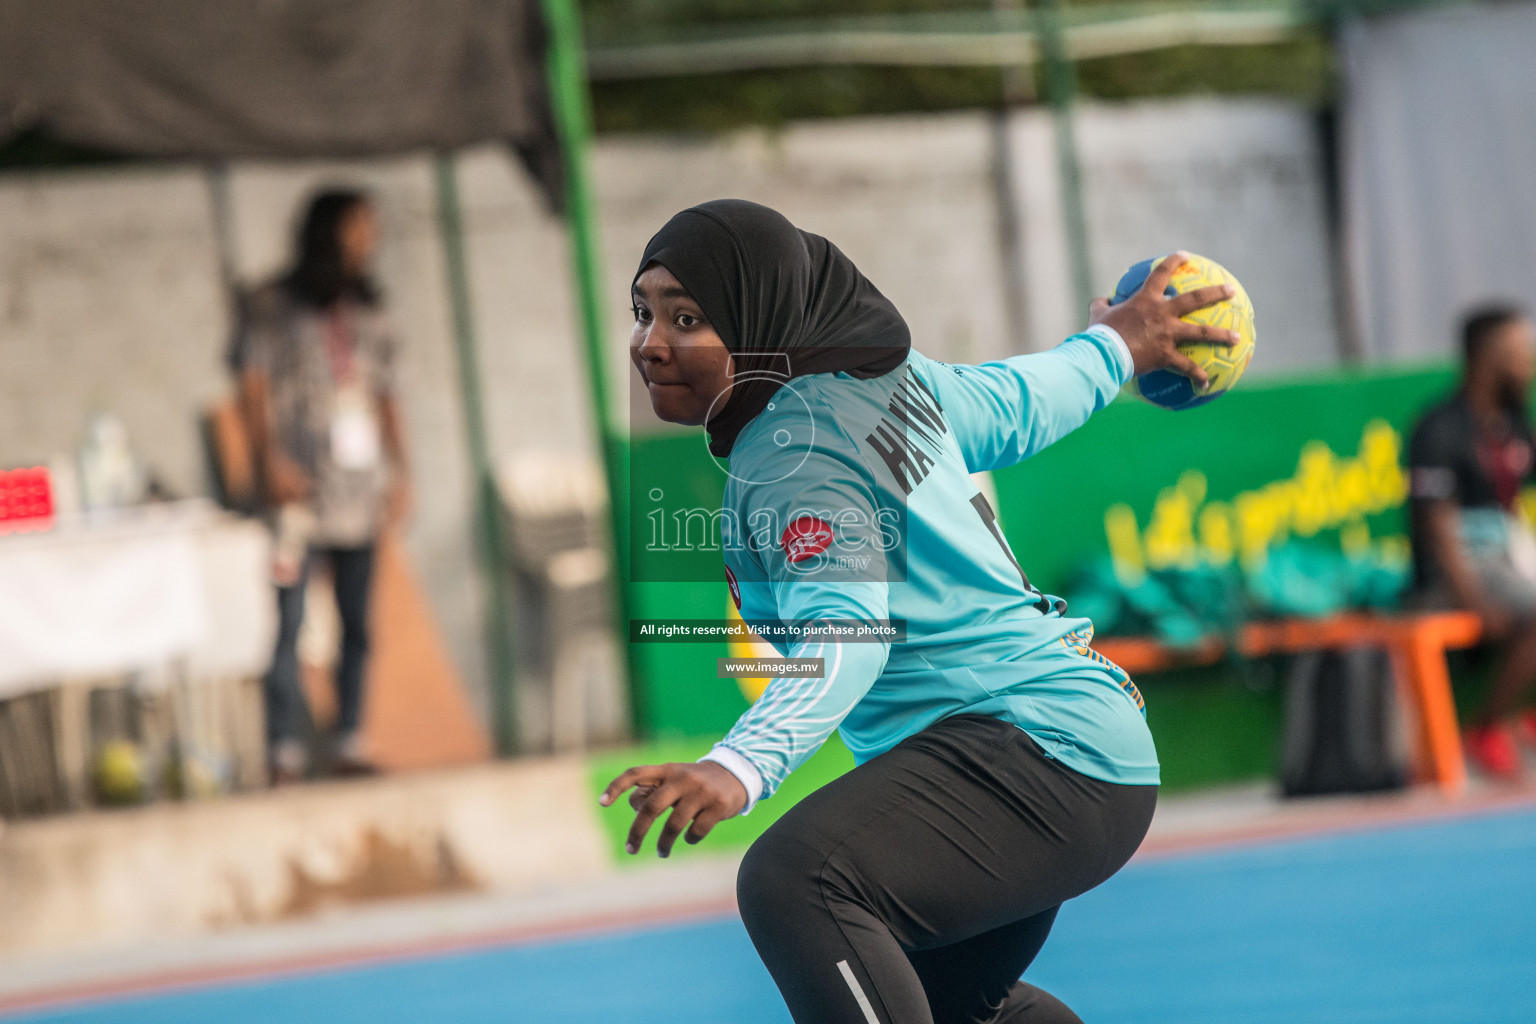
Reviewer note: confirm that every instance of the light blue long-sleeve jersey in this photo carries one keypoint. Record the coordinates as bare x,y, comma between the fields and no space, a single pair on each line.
852,500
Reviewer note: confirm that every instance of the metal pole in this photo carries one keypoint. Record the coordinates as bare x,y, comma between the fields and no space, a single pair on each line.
491,540
222,203
573,123
1018,88
1061,86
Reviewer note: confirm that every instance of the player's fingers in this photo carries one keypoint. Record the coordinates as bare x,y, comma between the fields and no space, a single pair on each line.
678,820
1180,363
1200,298
644,775
1206,333
639,795
702,825
653,808
1097,308
1157,280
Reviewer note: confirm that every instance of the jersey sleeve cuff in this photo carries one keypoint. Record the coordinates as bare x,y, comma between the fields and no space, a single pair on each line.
1125,366
745,771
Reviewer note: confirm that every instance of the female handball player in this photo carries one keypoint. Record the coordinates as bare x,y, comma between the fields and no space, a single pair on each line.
1003,766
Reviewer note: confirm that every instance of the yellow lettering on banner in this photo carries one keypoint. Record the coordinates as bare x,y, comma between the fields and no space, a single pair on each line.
1218,541
1326,492
1170,537
1379,451
1394,549
1314,473
1124,544
1352,491
1355,539
1262,517
1526,505
1192,485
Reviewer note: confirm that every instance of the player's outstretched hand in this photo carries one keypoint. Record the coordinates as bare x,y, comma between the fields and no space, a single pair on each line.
704,794
1150,323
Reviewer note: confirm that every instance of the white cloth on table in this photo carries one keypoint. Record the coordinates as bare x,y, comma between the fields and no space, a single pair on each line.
142,590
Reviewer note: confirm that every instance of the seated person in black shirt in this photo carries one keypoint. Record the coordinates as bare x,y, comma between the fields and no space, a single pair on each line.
1468,460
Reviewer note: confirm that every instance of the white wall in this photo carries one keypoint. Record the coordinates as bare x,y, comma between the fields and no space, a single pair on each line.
110,294
909,199
1239,181
109,299
1438,147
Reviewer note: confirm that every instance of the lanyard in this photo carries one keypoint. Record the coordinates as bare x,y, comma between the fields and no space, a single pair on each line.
340,345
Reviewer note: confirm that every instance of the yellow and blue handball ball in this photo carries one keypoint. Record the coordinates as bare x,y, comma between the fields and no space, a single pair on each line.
1223,364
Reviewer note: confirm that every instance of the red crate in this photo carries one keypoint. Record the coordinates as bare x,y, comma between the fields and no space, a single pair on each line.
26,499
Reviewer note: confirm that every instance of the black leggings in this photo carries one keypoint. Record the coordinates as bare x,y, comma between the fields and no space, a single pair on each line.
352,580
918,887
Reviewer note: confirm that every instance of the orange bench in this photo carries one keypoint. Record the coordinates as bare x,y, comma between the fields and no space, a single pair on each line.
1416,644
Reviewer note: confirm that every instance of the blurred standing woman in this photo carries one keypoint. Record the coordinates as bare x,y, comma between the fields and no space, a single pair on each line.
315,355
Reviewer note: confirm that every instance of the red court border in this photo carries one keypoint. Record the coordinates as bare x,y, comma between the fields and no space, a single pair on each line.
1338,819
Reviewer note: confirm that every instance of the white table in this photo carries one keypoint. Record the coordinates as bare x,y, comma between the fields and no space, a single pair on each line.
177,584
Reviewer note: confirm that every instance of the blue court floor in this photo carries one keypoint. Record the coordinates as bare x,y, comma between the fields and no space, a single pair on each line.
1434,922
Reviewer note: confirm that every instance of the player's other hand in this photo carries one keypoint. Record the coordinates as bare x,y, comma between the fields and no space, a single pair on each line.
704,794
1151,324
285,481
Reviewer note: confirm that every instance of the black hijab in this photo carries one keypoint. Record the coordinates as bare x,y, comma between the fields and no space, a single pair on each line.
786,303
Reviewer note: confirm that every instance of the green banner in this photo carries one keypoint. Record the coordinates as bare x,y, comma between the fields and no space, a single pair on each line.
1315,458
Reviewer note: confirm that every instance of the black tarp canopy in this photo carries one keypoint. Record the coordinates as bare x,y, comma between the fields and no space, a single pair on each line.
280,78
